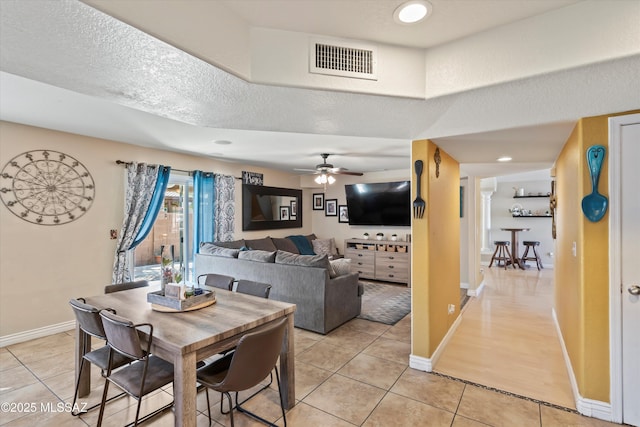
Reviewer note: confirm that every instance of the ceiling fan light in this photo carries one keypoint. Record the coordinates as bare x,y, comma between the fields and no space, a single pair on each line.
331,180
321,179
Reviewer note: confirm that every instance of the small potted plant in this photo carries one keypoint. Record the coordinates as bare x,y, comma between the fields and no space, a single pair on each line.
379,236
365,236
394,237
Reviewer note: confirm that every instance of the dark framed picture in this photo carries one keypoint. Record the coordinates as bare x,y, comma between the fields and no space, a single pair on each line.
284,213
293,207
343,213
318,201
331,207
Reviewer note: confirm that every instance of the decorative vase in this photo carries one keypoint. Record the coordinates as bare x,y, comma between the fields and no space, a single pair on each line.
394,238
379,237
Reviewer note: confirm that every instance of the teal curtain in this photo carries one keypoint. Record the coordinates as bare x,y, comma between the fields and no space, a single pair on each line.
154,206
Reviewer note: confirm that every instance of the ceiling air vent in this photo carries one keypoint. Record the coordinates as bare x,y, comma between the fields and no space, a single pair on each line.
345,60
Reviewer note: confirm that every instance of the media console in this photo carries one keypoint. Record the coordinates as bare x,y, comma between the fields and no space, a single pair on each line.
380,259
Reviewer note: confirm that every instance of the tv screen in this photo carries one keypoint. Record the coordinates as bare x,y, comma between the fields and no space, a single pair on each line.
384,203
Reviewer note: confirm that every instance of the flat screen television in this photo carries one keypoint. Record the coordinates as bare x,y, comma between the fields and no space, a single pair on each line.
383,203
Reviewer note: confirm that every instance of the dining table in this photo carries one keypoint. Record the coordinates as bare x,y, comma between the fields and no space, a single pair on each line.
515,256
187,337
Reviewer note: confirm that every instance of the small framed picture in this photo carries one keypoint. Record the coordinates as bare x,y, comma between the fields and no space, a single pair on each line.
331,207
343,213
318,201
284,213
293,207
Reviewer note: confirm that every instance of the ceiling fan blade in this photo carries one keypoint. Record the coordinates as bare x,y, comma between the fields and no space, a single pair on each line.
344,172
305,170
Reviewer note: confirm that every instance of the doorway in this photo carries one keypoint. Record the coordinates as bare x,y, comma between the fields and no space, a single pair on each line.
624,245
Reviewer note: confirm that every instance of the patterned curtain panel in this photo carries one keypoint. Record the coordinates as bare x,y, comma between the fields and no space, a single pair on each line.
141,183
224,208
203,208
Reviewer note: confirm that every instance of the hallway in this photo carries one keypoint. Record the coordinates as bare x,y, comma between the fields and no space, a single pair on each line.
507,338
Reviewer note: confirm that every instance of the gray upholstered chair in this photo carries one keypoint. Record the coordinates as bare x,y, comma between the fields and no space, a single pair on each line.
254,358
147,374
125,286
250,287
216,280
90,322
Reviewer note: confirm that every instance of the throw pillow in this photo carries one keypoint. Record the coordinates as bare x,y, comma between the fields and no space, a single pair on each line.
235,244
264,244
322,247
284,244
211,249
339,267
319,261
258,256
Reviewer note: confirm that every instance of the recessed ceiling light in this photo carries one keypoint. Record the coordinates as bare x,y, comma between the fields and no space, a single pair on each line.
412,11
222,142
504,159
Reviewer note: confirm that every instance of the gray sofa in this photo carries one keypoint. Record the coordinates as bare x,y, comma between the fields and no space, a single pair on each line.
322,303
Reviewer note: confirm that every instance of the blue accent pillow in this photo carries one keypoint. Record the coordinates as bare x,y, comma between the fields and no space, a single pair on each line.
303,244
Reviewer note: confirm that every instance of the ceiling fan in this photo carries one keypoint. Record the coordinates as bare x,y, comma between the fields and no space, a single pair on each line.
324,171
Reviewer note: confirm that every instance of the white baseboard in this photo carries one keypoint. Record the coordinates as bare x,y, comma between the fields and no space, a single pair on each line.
477,291
587,407
425,363
36,333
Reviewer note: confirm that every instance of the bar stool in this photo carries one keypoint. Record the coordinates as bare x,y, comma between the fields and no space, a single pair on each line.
531,244
501,253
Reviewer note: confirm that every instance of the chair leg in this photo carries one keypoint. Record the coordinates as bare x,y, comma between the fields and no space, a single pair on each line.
206,391
538,260
104,399
257,417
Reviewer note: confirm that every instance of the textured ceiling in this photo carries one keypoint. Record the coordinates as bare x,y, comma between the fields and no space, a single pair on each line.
62,61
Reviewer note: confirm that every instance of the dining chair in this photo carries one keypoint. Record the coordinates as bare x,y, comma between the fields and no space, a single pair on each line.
125,286
147,374
254,358
216,280
250,287
90,322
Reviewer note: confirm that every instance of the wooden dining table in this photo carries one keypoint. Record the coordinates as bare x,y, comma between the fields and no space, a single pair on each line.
515,256
185,338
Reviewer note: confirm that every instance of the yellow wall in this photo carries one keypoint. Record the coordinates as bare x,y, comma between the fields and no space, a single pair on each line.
582,281
42,267
435,250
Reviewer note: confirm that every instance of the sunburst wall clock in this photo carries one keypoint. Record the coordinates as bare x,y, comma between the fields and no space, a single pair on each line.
46,187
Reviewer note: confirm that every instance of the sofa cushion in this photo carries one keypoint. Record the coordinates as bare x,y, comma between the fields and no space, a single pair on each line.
264,244
284,244
211,249
320,261
339,267
235,244
258,256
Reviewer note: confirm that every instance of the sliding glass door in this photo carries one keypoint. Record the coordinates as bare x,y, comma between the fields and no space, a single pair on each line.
172,233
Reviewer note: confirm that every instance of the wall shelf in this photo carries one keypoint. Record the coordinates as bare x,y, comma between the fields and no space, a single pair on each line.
531,216
532,196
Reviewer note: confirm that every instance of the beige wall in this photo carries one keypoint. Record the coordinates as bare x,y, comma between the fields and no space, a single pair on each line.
435,257
42,267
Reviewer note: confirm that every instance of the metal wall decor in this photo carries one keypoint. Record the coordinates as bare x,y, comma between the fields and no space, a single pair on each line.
46,187
594,205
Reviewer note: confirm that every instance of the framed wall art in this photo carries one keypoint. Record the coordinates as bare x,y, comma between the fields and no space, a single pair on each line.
331,207
318,201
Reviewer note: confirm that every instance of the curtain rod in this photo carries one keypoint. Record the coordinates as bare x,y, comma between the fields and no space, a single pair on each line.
122,162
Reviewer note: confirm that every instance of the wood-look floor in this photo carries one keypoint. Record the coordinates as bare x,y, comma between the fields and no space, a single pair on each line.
507,338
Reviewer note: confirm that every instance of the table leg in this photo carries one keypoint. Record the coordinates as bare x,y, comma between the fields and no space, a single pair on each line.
184,389
83,346
515,256
287,366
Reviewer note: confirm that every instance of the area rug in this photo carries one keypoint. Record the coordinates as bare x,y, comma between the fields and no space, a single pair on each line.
385,303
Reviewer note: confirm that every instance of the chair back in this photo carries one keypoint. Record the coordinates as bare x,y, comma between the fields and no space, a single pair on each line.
257,289
255,356
125,286
217,281
122,335
88,318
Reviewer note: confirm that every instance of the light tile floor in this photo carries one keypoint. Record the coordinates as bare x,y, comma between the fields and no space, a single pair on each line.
356,375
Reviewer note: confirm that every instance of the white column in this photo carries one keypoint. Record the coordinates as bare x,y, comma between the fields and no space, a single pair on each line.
486,220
